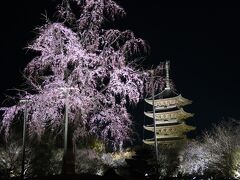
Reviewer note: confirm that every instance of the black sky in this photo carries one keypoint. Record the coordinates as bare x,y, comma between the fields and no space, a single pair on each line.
201,43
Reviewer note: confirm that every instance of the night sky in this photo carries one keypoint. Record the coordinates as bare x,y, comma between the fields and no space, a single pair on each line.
201,43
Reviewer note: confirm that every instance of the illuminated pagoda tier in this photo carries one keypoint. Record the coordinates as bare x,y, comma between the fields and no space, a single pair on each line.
167,118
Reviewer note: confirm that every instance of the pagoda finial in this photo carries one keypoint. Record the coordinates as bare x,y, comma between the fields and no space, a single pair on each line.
167,67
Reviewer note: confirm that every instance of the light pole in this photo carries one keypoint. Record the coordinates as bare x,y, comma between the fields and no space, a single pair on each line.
66,122
154,120
25,101
66,90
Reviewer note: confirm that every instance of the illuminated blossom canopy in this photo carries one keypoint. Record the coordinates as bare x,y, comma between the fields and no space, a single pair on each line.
77,52
216,153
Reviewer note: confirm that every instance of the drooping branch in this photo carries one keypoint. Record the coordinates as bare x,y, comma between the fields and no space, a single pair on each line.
75,51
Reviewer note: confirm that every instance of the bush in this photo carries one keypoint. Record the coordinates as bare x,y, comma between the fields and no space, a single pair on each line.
216,153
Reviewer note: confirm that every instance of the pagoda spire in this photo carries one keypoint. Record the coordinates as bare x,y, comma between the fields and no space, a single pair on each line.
167,67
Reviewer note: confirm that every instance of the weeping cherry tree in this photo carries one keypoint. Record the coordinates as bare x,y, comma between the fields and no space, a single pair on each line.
96,64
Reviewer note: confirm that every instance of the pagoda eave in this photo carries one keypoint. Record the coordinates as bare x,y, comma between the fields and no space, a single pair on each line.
174,128
177,114
167,102
166,122
164,141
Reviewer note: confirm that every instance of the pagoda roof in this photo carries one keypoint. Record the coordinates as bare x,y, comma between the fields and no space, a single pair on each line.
161,137
166,93
170,115
168,140
176,129
170,102
167,122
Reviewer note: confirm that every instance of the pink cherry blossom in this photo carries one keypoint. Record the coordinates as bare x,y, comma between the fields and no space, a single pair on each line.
76,51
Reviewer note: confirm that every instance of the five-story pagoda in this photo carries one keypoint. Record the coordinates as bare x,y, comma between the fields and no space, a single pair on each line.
167,118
